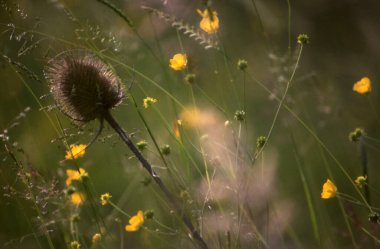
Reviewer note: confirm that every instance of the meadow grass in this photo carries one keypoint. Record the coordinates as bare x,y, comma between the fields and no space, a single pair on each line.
219,154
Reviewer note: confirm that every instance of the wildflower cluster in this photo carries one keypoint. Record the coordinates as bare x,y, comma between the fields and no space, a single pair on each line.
209,163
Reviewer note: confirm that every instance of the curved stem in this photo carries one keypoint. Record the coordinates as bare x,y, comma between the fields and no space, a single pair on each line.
186,220
279,106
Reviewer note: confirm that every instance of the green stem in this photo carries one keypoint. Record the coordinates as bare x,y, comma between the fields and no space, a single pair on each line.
280,105
289,30
146,165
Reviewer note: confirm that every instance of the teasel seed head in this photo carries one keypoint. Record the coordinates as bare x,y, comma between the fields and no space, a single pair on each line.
83,87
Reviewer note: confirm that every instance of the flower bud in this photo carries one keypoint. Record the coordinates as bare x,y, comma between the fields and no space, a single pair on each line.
303,39
239,115
242,65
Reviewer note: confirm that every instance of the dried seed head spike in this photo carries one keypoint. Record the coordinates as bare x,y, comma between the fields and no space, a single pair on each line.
83,86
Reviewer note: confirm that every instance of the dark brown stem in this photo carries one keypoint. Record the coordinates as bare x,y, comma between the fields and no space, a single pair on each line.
177,207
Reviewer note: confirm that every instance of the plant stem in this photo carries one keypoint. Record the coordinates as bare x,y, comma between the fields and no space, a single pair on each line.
364,161
186,220
281,102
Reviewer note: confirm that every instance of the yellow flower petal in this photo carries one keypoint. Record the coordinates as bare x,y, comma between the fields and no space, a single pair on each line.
178,62
105,198
131,228
77,198
329,190
140,214
208,24
135,222
76,151
96,238
363,86
360,181
148,101
74,175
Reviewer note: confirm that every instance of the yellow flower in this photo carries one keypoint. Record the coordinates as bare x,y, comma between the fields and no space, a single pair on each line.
148,101
75,151
105,198
75,175
77,198
209,24
75,245
329,190
135,222
176,129
178,62
360,181
363,86
96,238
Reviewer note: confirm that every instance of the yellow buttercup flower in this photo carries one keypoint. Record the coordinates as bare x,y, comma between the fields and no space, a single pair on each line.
105,198
329,190
96,238
209,24
76,151
75,175
135,222
77,198
363,86
178,62
360,181
148,101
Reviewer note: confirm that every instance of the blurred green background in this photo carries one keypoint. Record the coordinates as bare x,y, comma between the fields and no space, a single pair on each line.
344,47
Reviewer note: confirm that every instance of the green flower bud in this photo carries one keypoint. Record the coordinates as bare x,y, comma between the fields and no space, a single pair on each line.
190,78
355,135
166,149
141,145
374,217
239,115
149,214
260,141
242,65
303,39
